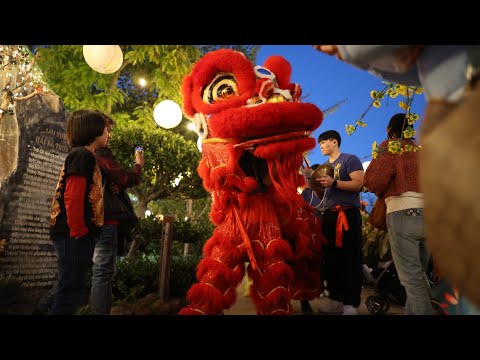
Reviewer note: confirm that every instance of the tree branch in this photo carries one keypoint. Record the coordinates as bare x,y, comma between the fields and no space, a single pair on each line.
207,206
113,85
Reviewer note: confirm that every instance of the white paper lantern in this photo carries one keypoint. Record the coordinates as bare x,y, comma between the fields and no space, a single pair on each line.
167,114
106,59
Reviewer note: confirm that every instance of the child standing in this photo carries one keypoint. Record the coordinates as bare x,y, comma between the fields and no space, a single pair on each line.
77,209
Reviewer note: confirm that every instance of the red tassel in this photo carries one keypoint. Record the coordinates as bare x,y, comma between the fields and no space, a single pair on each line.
342,224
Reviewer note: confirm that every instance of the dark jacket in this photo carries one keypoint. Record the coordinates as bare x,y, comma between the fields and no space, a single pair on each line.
114,172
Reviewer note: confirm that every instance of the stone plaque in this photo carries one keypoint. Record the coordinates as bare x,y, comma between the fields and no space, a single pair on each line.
33,147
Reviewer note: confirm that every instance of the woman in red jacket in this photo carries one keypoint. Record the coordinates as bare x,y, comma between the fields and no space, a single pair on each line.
393,175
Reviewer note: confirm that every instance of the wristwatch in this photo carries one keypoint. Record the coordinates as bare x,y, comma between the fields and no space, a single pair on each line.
334,184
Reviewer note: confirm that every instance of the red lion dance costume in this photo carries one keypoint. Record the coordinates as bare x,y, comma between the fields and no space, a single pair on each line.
255,131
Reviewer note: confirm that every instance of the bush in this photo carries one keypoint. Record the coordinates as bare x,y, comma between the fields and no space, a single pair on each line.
182,275
135,277
148,233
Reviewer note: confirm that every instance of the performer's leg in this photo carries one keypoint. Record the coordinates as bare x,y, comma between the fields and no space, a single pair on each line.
272,281
219,273
306,238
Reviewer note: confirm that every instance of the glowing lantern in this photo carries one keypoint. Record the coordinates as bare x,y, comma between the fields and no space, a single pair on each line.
105,59
167,114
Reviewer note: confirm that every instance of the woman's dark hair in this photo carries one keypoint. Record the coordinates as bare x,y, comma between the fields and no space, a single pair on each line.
397,125
84,126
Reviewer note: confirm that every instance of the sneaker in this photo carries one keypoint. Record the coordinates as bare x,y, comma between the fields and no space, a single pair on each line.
349,310
329,306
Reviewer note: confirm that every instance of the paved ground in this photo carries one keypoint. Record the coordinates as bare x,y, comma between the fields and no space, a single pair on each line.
244,305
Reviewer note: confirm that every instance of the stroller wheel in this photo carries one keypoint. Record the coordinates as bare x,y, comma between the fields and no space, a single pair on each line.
387,305
377,304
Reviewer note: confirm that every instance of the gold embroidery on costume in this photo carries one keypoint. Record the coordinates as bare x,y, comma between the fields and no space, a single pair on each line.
95,197
55,208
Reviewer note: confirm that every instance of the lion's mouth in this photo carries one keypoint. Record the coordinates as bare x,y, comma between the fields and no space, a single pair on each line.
265,121
251,143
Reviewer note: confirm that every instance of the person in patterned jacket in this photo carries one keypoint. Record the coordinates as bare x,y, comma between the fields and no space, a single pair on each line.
76,213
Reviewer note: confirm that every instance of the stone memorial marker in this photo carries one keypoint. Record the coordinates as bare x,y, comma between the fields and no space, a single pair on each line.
33,147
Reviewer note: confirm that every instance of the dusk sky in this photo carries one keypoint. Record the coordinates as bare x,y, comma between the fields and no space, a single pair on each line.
325,80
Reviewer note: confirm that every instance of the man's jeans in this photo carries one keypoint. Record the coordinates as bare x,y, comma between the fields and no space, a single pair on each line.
104,258
74,259
411,256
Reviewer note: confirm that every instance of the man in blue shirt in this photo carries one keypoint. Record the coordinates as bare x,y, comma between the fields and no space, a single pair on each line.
342,226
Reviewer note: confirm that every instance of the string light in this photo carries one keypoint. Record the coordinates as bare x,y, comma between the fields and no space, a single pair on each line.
23,77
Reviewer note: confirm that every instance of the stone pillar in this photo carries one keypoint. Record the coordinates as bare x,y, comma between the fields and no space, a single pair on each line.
33,147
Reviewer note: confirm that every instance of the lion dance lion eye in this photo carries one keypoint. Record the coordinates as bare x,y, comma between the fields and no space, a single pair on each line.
222,87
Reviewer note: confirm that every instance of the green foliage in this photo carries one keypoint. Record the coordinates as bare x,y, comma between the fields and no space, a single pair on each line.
182,275
148,233
135,277
70,77
118,94
163,66
250,51
178,208
168,156
185,231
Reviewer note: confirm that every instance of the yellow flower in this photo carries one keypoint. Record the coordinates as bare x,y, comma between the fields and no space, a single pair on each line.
377,104
374,94
392,93
395,147
412,118
374,150
403,105
402,90
419,91
361,123
350,129
409,133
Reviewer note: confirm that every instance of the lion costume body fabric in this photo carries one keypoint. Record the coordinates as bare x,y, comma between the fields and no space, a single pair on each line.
254,131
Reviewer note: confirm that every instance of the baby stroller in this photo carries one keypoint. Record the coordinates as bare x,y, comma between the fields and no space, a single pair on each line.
388,289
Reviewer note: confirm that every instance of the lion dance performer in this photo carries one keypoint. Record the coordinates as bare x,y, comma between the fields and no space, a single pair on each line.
254,132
